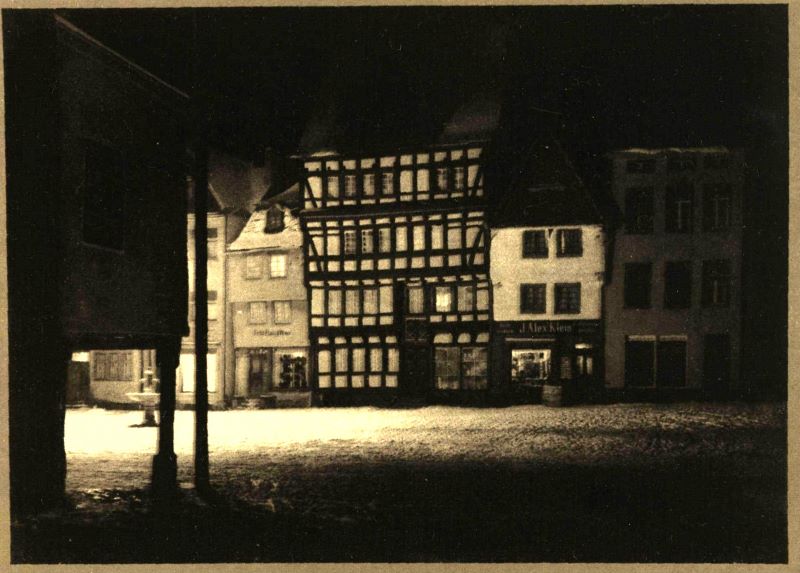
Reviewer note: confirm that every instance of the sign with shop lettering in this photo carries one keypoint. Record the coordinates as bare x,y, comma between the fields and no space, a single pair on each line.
549,327
266,332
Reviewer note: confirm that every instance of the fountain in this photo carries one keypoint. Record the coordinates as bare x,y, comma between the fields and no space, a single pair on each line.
148,396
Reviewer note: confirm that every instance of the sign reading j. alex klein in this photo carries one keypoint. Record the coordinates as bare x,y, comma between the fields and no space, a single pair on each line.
548,327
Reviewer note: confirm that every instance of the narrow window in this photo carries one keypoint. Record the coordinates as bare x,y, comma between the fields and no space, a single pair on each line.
282,310
257,312
387,183
416,300
352,302
369,184
679,210
334,302
419,237
333,186
716,207
570,242
458,178
367,241
637,285
442,178
533,298
274,220
350,185
277,266
466,298
639,210
376,360
446,367
371,300
677,284
350,242
716,283
341,360
473,368
384,240
444,299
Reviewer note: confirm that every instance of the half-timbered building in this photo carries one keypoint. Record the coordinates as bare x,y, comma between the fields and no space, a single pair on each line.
396,252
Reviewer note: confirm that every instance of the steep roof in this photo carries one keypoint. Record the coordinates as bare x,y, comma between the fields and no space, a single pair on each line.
254,236
544,189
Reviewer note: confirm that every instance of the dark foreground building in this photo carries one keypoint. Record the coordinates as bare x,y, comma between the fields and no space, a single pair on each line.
96,230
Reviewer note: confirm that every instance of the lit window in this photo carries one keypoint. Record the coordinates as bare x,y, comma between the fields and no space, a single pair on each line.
530,365
367,237
419,237
454,237
466,298
277,266
350,242
341,360
369,184
568,298
393,359
441,178
384,240
253,266
444,299
534,245
458,178
387,183
257,312
334,302
401,238
333,186
416,300
358,359
350,186
282,310
437,237
376,360
570,243
370,301
352,302
324,361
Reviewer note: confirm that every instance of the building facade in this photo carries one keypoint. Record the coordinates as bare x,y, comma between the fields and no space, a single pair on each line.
674,302
396,251
548,253
267,306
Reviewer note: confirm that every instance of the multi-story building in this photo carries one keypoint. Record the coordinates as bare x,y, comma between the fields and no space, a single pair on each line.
548,253
267,306
396,252
673,305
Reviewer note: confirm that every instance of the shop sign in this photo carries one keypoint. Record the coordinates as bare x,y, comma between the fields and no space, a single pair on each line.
533,327
267,332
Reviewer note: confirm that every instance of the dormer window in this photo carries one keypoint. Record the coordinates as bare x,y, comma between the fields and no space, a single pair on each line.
274,220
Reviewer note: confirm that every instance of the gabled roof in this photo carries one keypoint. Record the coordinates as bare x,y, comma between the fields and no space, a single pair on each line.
253,235
544,189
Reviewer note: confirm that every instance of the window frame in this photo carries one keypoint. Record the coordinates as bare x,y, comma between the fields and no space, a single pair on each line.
275,313
558,289
530,244
541,290
564,247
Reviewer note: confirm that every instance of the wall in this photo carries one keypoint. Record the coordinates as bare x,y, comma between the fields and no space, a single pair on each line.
509,270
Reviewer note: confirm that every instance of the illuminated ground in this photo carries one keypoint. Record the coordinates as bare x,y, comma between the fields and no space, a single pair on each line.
686,482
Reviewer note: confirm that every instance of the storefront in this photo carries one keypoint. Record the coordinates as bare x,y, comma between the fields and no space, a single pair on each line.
528,354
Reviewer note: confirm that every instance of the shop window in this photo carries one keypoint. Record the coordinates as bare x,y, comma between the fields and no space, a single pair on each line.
717,201
277,266
570,242
103,197
639,210
443,299
568,298
349,242
466,298
640,166
282,310
679,209
530,365
533,298
292,370
474,367
253,266
677,284
637,285
534,245
257,312
213,243
367,241
350,189
447,367
716,283
385,240
416,299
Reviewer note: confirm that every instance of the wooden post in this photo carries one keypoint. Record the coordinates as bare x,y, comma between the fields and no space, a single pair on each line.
165,463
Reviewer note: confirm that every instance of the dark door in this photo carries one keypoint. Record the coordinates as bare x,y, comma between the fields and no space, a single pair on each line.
416,370
77,382
639,362
717,362
671,363
260,376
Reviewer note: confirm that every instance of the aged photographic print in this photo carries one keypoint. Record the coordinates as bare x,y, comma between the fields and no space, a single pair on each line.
424,284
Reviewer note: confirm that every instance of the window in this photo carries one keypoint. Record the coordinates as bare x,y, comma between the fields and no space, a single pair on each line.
257,312
334,302
387,183
466,298
416,300
350,242
369,184
274,219
530,365
341,360
458,178
370,301
359,359
568,298
437,237
277,266
641,165
655,361
682,163
677,284
112,366
534,245
460,368
454,237
637,285
350,186
639,210
253,266
376,360
212,243
367,241
716,207
444,299
333,186
532,298
570,243
716,283
678,214
384,240
324,361
419,237
401,238
282,311
103,197
352,302
441,178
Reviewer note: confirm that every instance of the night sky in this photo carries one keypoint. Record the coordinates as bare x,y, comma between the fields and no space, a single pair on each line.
620,76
